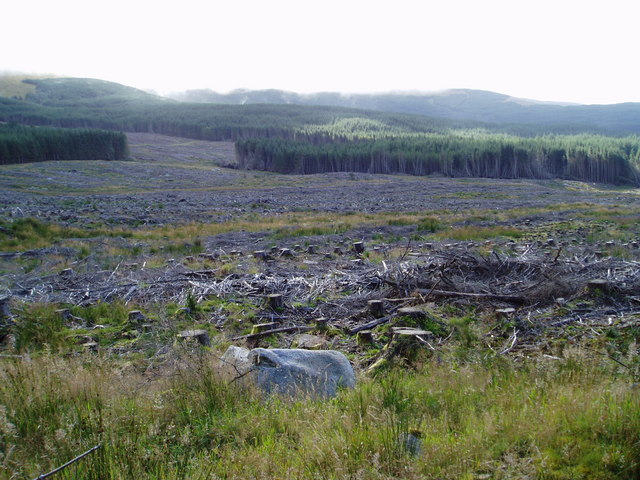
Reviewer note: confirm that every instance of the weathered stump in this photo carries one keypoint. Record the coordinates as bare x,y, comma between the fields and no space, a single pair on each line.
312,249
260,254
5,307
275,301
337,250
504,313
322,324
358,247
364,338
598,284
376,308
64,313
136,317
199,336
286,252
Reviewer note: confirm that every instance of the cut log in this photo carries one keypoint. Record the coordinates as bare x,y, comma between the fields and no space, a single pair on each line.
262,327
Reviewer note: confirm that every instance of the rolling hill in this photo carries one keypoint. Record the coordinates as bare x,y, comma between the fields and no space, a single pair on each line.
458,104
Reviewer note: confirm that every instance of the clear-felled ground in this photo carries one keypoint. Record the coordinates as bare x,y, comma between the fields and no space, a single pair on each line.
527,294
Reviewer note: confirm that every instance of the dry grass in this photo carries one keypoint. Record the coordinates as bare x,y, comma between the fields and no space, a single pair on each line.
568,419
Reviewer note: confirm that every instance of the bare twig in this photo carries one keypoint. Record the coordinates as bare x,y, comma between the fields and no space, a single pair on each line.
70,462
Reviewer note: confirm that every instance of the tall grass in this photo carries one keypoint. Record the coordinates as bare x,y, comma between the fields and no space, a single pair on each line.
570,419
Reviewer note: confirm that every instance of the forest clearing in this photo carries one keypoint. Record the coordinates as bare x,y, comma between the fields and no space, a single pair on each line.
492,324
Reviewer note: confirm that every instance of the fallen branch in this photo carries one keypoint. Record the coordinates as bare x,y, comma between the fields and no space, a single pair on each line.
70,462
276,330
489,296
513,344
370,325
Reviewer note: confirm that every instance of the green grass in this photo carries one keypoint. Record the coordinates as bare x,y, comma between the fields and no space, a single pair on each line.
565,420
479,233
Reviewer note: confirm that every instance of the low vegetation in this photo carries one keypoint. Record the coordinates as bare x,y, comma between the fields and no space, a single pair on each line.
573,418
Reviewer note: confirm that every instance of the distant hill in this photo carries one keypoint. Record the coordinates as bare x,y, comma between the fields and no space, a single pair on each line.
459,104
87,92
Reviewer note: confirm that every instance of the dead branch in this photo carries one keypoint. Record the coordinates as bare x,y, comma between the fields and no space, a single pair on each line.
252,336
488,296
370,325
70,462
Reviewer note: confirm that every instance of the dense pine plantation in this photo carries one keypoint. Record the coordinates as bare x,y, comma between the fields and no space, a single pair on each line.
20,144
584,157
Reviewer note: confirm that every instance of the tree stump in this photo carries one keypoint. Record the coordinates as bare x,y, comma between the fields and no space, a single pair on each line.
65,313
376,308
285,252
504,313
260,254
275,301
598,284
5,307
364,338
90,346
67,272
337,250
297,248
200,336
274,249
322,324
358,247
135,317
312,249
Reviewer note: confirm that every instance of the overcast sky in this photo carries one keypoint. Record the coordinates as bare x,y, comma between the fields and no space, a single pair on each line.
557,50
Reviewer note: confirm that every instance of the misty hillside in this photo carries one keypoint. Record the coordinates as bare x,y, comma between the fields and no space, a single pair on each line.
460,104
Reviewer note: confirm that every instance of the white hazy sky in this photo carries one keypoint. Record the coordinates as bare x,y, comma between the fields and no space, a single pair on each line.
558,50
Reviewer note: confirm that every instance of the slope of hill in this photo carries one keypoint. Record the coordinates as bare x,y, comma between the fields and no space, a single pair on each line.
460,104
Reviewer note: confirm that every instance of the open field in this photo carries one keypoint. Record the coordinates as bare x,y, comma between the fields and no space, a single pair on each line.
530,292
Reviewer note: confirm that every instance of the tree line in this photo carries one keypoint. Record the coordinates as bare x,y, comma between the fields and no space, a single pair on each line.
581,157
20,143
